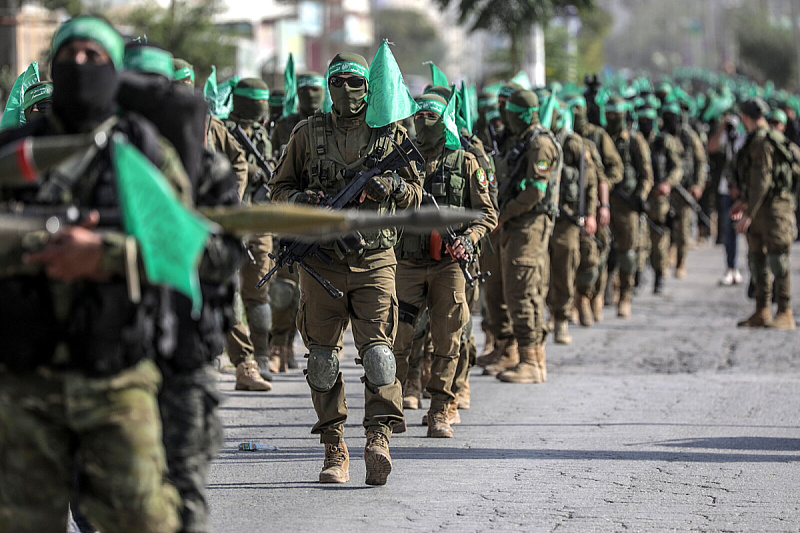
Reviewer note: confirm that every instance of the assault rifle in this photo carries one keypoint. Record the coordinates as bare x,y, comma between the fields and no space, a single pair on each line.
450,239
262,191
687,197
641,208
295,252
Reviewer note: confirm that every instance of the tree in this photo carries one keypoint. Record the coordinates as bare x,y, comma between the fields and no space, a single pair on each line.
186,29
514,18
415,39
766,49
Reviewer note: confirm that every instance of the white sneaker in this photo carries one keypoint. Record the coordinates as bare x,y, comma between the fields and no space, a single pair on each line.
737,276
729,278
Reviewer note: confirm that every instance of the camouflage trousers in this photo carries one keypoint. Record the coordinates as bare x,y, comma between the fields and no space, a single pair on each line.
192,437
769,241
108,426
659,244
565,256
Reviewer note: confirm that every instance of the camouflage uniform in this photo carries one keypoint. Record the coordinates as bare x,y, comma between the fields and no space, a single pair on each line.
665,157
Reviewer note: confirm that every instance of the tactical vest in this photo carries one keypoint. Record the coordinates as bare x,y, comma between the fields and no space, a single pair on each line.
659,159
328,172
512,167
784,164
448,185
88,326
570,190
626,147
688,157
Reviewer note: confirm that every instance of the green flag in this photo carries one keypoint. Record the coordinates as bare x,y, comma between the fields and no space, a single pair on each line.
290,87
219,96
388,99
522,80
463,111
451,131
547,108
438,77
13,115
171,237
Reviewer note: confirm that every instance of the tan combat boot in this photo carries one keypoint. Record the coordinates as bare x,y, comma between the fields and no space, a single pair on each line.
495,355
509,359
597,308
336,468
561,333
463,396
527,371
377,458
783,320
759,319
585,312
411,394
541,359
275,359
624,309
249,378
439,424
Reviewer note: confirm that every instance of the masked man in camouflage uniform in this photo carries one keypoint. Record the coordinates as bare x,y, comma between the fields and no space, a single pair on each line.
665,157
77,386
528,205
428,275
765,166
322,154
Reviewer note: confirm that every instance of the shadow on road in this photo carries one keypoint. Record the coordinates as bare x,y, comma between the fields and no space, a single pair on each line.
736,443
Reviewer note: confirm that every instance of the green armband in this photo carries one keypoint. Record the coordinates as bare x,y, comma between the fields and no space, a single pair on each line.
541,185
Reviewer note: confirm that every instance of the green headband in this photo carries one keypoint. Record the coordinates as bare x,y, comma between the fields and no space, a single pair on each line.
525,113
778,115
87,27
578,101
183,73
649,112
37,94
672,108
348,67
149,59
310,81
275,100
621,107
252,93
431,105
487,102
505,92
493,114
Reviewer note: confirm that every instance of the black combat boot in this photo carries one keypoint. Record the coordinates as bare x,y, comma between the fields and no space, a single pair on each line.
658,284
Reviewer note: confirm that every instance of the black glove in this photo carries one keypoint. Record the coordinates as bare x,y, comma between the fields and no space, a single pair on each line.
379,188
309,198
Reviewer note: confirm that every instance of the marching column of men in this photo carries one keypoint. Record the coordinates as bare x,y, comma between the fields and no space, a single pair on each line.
576,208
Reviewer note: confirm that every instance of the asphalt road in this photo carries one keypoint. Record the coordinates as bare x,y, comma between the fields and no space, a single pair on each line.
673,420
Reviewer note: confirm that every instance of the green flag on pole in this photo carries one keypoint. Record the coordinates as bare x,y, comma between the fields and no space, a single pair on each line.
290,87
463,111
451,131
438,78
13,115
388,99
522,80
171,237
219,95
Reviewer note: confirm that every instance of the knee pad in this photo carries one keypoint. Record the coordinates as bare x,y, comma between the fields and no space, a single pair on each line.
282,294
627,262
778,264
323,368
379,365
587,278
259,318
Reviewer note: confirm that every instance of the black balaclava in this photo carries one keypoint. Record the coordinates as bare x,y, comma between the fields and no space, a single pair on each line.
347,101
672,123
83,95
247,99
430,131
646,126
518,121
310,92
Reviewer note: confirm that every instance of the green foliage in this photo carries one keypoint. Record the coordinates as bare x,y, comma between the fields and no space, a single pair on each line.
186,30
513,18
766,50
72,7
414,37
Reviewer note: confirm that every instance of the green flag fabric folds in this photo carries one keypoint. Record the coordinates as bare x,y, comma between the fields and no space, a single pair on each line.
388,99
522,80
438,78
171,237
219,96
290,88
451,131
463,108
13,115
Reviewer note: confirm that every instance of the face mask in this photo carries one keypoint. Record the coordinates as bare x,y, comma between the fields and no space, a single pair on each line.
83,95
671,123
516,124
430,133
646,126
347,101
579,120
310,99
249,109
615,124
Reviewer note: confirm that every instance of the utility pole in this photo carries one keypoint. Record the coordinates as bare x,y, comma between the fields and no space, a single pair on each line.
795,12
8,33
